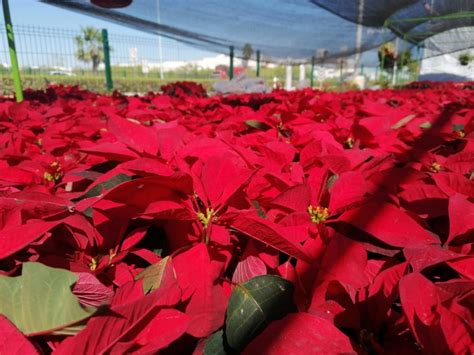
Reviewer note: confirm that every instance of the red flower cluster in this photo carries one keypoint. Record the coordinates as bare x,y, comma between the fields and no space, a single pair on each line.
184,89
151,211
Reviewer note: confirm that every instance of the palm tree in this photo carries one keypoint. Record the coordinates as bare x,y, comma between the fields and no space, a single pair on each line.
247,52
89,47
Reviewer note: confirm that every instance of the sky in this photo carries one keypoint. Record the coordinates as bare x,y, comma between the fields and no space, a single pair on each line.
35,13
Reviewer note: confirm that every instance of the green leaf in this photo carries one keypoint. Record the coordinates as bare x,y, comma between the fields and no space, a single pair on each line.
70,331
216,344
458,127
40,301
331,181
260,211
105,185
154,275
257,124
426,125
253,305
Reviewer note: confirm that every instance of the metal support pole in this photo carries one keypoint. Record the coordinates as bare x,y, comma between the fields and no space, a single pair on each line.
231,64
108,69
258,64
311,76
160,43
341,67
13,58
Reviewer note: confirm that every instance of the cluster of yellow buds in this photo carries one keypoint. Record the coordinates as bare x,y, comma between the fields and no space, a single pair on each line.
206,218
54,173
318,214
435,167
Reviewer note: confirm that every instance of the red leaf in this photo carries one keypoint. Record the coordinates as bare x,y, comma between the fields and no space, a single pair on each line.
461,162
301,333
222,176
150,192
167,326
344,261
12,341
295,198
104,331
35,204
15,238
266,232
111,151
248,268
421,257
451,183
436,329
90,291
382,293
134,135
464,266
461,216
348,189
197,274
206,310
424,199
388,224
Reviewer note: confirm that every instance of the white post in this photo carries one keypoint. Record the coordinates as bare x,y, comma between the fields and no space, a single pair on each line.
359,33
160,44
302,75
395,67
289,77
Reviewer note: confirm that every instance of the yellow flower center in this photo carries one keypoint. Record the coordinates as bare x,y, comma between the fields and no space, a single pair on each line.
318,214
349,142
55,172
93,264
435,167
48,177
206,218
461,134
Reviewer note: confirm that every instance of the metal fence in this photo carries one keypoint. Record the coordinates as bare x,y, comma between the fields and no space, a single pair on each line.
138,63
144,63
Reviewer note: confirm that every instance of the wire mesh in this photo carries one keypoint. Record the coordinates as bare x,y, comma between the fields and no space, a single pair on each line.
48,55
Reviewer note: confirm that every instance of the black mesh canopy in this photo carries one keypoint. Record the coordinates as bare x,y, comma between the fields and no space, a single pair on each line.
291,31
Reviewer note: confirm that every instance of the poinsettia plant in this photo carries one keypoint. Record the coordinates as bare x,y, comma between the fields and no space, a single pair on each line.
283,223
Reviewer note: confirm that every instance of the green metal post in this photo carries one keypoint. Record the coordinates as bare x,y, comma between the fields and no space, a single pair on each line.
13,57
231,64
108,68
311,74
341,66
258,64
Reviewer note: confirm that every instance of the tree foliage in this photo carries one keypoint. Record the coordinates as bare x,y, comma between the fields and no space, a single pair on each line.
247,53
89,47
